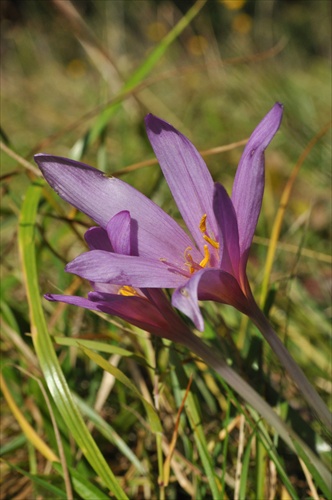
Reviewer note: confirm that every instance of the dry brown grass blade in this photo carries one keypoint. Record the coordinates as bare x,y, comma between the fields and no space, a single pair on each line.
21,161
167,464
154,161
282,208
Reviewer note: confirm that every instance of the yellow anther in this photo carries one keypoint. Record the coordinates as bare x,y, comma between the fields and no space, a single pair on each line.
202,227
202,224
189,260
128,291
186,252
206,259
212,242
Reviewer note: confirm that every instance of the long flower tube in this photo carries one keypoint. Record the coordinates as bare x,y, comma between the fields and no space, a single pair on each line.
233,379
151,310
309,393
209,265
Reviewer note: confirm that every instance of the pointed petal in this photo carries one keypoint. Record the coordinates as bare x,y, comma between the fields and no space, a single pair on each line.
209,284
119,232
137,311
185,300
156,234
186,174
97,239
73,300
250,177
105,267
106,287
228,230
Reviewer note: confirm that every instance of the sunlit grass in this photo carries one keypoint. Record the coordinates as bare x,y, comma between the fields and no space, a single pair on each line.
56,82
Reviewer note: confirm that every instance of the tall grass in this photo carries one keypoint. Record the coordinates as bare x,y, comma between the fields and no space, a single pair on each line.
93,407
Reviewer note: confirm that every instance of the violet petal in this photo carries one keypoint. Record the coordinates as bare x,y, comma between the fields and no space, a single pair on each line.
119,232
249,181
228,230
209,284
186,174
135,310
100,197
97,239
105,267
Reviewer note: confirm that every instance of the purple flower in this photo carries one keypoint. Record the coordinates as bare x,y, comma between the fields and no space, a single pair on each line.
138,249
148,309
139,246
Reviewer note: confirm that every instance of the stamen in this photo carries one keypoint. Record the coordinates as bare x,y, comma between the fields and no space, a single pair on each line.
212,242
202,224
190,261
202,228
128,291
206,259
186,252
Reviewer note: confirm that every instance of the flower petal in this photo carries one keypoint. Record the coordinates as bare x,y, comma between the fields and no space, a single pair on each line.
249,181
73,300
228,230
100,197
186,174
136,310
185,300
105,267
209,284
106,287
119,232
97,239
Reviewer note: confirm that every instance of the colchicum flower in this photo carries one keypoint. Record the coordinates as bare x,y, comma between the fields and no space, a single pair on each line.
148,309
138,249
211,265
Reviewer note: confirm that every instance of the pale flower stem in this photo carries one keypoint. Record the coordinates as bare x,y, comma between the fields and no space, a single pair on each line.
236,382
290,365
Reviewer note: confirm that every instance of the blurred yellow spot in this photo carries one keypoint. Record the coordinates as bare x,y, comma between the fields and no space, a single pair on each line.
197,45
76,68
242,23
202,224
156,31
233,4
128,291
206,259
202,227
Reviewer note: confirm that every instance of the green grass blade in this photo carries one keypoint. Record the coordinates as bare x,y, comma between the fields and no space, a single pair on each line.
245,469
48,360
83,486
265,439
225,448
314,471
121,377
109,433
43,483
192,412
143,70
101,347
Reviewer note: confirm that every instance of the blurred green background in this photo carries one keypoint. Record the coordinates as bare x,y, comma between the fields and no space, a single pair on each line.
63,63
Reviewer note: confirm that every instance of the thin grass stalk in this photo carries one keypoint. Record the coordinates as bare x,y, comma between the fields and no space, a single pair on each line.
236,382
308,391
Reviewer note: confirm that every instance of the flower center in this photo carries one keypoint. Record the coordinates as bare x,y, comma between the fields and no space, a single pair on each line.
128,291
206,261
